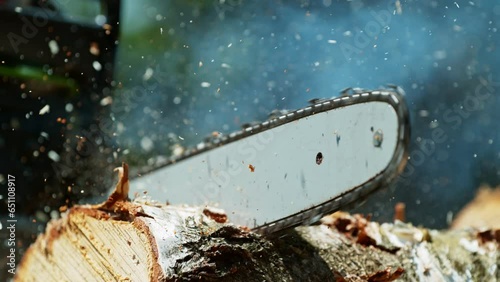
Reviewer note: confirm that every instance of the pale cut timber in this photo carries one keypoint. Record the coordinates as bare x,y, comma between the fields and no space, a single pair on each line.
144,241
482,212
85,246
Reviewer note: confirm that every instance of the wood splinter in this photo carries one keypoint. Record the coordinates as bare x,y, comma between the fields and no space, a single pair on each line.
118,202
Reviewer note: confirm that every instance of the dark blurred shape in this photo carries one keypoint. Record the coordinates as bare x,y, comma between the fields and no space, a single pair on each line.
54,69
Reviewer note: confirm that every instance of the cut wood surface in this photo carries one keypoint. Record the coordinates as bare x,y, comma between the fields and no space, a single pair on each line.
142,240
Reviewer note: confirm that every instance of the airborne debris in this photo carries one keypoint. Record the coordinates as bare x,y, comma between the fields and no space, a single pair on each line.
147,144
147,74
177,100
68,107
53,156
44,110
97,66
106,101
94,49
54,47
399,7
251,167
177,150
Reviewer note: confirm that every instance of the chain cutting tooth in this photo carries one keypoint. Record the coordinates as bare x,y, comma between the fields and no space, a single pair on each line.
314,101
277,113
345,91
358,90
247,125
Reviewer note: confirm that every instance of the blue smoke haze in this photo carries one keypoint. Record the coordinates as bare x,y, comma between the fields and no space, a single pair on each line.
245,58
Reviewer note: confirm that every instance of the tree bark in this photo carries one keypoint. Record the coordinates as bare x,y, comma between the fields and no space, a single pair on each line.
145,241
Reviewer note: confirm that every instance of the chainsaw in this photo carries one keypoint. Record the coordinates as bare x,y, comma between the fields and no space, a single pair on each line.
295,167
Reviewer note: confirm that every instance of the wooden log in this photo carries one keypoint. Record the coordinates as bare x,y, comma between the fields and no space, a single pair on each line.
145,241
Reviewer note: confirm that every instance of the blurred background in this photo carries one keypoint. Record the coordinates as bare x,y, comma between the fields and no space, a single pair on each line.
86,85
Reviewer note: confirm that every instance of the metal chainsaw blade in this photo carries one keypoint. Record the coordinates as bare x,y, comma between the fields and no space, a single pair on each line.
295,168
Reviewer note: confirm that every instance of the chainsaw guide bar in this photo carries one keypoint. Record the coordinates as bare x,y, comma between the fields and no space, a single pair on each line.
296,167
